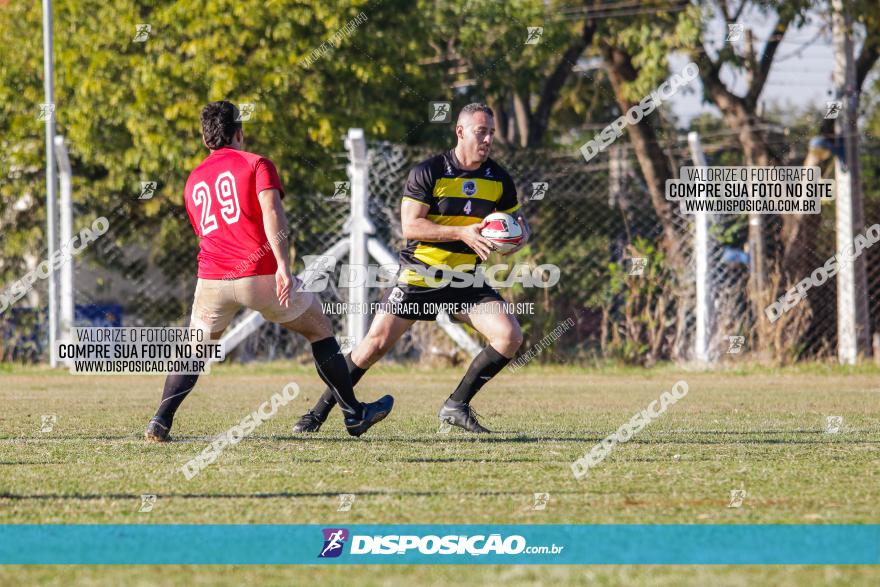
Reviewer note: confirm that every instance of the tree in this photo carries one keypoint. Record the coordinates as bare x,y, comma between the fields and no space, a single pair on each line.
130,110
635,51
799,231
485,52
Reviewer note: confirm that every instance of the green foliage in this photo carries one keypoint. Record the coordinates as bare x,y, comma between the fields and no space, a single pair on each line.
130,110
21,335
649,38
638,309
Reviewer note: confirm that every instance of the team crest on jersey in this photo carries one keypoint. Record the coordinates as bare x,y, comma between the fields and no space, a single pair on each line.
469,188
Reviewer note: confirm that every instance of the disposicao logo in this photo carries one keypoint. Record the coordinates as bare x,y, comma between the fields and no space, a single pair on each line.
334,540
405,544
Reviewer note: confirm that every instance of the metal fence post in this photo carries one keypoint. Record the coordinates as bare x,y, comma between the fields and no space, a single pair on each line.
66,217
360,228
701,256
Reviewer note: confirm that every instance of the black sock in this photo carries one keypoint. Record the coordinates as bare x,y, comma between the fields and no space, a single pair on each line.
484,367
177,387
327,400
333,371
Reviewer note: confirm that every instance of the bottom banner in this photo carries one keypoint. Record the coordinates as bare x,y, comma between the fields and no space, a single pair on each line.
561,544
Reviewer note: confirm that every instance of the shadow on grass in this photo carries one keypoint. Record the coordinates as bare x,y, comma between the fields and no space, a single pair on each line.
756,437
274,495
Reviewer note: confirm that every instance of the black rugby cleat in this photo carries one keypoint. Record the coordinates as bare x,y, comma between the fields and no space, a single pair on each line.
309,422
373,412
462,415
157,431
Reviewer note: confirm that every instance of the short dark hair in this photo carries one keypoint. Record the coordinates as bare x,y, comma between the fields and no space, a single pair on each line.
220,121
473,108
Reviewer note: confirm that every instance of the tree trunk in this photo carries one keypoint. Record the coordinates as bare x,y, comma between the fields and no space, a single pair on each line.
652,160
756,154
501,121
540,119
799,231
521,112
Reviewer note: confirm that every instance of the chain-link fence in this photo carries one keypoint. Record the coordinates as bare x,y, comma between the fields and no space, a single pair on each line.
591,222
809,330
129,278
631,296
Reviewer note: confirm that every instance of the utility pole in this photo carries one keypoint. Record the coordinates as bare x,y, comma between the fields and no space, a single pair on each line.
48,114
852,299
757,264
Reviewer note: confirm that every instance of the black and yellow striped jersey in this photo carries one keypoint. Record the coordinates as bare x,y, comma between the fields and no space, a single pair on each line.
455,197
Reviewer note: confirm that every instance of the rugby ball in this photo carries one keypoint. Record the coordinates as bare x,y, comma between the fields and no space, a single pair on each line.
502,230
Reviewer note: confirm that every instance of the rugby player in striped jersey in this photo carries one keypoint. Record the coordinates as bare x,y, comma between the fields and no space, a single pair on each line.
444,202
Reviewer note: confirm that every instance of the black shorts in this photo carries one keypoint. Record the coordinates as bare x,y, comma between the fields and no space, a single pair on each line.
424,303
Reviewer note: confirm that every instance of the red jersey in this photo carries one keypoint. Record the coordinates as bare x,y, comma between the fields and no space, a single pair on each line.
221,200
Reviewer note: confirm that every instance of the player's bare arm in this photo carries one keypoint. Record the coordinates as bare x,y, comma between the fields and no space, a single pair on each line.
416,226
275,225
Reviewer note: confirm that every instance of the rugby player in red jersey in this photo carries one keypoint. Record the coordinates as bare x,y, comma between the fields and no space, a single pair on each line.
233,199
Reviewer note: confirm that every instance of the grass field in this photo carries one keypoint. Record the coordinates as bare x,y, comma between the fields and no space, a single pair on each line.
759,430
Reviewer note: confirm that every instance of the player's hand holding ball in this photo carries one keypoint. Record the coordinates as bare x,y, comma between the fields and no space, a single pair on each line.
506,233
470,235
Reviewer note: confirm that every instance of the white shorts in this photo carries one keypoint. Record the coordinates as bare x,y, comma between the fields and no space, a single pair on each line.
217,301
